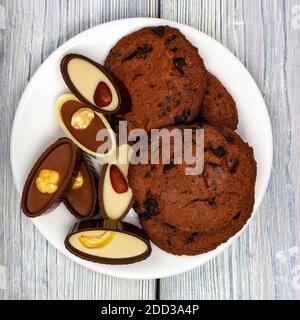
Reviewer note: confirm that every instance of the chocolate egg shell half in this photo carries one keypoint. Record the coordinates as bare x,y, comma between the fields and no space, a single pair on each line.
114,194
83,130
108,241
91,83
49,178
81,200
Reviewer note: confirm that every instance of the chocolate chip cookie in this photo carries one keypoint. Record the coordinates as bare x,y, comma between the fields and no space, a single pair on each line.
164,75
178,242
218,107
203,203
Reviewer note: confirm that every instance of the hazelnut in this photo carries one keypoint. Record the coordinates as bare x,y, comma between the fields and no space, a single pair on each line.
78,181
47,181
82,118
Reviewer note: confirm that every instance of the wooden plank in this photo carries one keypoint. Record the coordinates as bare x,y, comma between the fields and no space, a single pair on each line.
35,270
2,262
263,263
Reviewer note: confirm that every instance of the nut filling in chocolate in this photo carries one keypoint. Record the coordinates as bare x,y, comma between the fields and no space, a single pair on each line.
83,126
81,199
88,129
115,196
90,83
108,241
108,244
49,178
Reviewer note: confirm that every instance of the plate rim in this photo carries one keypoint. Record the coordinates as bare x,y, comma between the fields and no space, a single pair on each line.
147,22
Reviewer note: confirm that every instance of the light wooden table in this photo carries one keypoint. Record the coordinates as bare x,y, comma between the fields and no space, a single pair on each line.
264,263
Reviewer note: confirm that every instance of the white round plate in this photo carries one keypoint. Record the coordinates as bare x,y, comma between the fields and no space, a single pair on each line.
35,127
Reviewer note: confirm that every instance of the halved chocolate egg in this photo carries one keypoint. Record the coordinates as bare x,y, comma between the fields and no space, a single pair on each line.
88,129
115,196
108,241
81,200
91,83
49,178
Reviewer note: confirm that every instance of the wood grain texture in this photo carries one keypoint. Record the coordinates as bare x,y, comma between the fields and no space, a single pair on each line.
35,270
265,37
263,263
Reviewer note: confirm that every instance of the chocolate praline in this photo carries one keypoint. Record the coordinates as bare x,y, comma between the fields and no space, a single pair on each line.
118,197
103,76
87,136
62,158
118,228
88,129
81,200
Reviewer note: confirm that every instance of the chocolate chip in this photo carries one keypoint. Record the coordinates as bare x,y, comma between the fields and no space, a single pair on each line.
219,151
201,121
150,208
167,109
183,117
170,39
168,167
170,244
179,64
159,31
234,164
174,49
140,52
229,138
147,175
212,202
190,239
237,216
143,51
130,56
178,119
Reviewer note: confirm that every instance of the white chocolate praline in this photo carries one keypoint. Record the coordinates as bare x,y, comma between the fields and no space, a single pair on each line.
115,204
86,77
121,246
104,158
